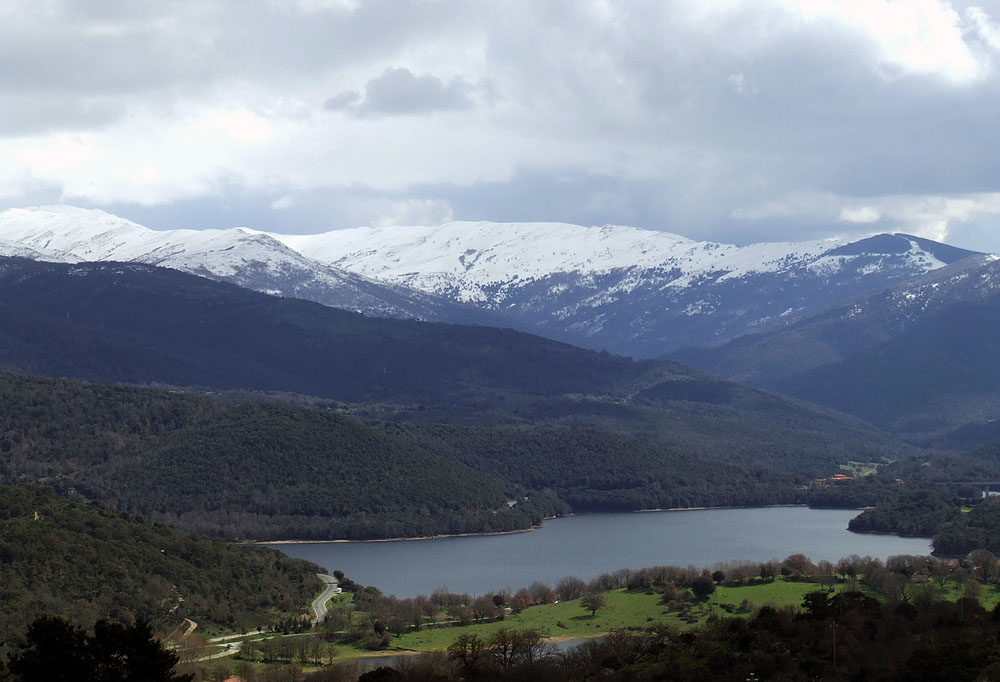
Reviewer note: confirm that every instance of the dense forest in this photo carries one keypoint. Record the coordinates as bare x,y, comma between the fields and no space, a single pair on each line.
55,650
86,562
955,525
912,513
249,470
270,470
594,470
257,466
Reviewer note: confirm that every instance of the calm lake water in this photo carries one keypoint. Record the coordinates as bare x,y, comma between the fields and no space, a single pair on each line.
590,544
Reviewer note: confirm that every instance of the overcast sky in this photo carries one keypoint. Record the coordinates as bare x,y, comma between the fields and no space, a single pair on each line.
730,121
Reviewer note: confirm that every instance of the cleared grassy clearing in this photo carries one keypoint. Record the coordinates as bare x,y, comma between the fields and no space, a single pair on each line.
623,610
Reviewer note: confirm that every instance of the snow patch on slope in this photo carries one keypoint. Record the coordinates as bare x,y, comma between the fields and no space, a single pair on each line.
465,259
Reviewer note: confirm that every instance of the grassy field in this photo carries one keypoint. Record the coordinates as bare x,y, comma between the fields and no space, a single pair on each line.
623,609
860,469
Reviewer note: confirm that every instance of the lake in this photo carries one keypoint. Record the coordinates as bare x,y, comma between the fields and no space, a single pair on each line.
587,545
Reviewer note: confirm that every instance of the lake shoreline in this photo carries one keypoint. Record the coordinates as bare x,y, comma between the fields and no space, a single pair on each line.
587,545
509,532
401,539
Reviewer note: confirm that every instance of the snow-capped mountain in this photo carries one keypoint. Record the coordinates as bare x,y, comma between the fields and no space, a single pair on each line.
467,261
241,256
632,291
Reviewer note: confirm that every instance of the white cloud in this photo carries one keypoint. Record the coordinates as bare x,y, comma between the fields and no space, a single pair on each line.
915,36
861,214
282,203
416,212
986,27
740,84
315,6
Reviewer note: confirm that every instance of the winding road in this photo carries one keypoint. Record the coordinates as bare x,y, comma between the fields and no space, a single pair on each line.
332,587
319,603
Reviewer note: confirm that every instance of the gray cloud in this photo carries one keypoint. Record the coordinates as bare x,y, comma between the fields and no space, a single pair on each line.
691,118
346,100
24,114
397,91
157,54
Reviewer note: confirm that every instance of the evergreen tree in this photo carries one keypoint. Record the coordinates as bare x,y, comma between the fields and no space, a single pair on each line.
56,651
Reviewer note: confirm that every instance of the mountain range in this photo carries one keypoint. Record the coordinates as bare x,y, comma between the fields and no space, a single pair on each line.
626,290
893,329
629,291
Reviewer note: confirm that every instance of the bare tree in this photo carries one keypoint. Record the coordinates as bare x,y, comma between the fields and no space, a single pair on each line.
570,587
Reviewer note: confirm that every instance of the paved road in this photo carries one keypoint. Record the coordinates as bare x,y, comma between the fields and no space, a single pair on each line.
318,606
319,603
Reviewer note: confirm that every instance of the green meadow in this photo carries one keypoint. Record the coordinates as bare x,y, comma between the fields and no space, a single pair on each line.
623,610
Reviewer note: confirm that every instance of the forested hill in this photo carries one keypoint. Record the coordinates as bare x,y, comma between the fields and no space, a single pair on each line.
266,470
132,323
84,562
251,470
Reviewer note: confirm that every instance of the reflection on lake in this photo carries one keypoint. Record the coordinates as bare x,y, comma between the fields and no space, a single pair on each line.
590,544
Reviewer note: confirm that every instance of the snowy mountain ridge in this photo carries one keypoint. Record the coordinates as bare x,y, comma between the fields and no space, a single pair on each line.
628,290
241,256
69,234
475,256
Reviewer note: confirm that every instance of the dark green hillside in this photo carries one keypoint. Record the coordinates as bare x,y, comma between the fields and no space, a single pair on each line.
954,529
85,562
918,359
601,471
268,470
941,374
749,429
911,513
133,323
251,470
977,529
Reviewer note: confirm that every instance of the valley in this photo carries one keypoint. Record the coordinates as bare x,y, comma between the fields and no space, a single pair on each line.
137,400
808,319
573,341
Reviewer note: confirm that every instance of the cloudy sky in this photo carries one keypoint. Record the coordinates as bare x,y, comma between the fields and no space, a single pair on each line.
722,120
